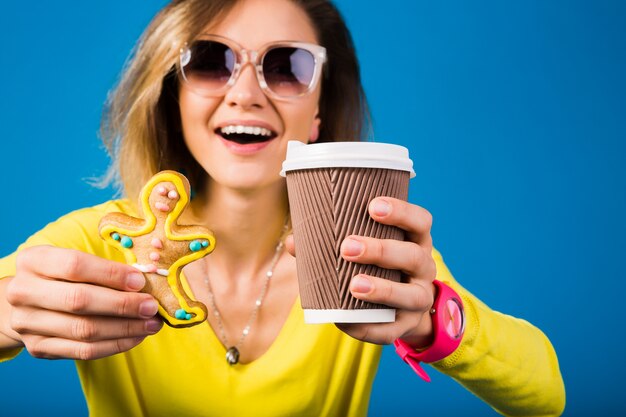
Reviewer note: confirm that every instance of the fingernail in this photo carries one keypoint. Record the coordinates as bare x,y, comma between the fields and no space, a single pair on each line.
148,308
352,247
360,284
135,281
153,325
380,207
138,340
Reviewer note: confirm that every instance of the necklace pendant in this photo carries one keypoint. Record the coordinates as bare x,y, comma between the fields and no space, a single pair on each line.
232,355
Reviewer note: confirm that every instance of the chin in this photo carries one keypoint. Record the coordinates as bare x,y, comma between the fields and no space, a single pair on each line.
246,178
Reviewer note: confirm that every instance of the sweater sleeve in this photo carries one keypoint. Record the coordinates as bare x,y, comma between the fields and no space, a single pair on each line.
507,362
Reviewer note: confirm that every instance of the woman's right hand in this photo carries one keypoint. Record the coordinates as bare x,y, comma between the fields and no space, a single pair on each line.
64,303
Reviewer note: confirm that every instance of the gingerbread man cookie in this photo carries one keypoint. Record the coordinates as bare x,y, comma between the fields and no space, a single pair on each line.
159,247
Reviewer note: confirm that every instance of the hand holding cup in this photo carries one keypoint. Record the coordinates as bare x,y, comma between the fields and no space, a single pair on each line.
330,186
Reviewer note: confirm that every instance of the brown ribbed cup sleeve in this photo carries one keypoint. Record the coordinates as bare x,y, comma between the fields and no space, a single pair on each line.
327,205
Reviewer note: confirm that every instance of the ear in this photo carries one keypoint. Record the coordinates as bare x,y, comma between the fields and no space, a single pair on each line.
315,129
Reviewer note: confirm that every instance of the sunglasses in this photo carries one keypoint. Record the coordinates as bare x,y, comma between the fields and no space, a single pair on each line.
211,65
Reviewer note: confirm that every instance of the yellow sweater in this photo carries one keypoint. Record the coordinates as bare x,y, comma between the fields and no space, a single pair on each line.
310,370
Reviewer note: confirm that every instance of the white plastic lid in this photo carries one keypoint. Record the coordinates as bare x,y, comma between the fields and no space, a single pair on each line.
346,154
387,315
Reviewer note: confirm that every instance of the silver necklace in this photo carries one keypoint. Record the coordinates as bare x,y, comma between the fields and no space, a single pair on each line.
232,353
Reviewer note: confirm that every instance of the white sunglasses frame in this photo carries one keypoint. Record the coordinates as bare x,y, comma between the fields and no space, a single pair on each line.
255,58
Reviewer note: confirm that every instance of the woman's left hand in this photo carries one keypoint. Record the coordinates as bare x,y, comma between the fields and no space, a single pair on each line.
413,297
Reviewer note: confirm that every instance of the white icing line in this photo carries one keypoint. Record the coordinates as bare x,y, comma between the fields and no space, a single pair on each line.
151,268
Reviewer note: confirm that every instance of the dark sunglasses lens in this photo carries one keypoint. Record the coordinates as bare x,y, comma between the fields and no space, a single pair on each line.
288,71
208,65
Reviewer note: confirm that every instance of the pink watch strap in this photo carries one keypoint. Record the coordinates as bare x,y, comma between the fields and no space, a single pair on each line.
444,343
404,351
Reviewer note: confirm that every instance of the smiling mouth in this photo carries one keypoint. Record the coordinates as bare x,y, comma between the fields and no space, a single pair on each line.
245,134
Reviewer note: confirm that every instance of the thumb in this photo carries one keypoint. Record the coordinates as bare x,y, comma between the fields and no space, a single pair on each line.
290,245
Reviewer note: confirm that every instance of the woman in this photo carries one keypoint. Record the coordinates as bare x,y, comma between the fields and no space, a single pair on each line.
182,105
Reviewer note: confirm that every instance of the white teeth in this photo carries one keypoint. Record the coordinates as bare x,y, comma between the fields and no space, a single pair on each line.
249,130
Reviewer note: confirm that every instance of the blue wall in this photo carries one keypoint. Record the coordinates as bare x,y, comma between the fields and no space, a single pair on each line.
514,113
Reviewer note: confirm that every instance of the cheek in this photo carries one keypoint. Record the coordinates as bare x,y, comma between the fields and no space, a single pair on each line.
195,113
299,119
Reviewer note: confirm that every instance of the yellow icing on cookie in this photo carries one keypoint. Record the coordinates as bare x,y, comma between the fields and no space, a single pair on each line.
118,230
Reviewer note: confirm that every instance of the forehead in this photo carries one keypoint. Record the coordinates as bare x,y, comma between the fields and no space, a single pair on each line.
253,23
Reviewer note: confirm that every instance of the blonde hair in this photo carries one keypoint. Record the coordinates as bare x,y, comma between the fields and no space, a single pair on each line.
141,126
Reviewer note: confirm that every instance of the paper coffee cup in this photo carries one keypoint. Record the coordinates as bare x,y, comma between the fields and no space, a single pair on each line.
330,186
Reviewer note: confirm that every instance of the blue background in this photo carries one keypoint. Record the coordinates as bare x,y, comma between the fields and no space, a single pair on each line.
514,113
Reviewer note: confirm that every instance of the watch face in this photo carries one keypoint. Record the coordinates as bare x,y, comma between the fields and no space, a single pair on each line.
453,318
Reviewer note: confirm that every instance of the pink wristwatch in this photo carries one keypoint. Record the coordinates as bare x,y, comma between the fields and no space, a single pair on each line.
448,327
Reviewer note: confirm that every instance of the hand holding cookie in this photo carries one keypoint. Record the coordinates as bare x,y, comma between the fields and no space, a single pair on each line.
65,303
159,247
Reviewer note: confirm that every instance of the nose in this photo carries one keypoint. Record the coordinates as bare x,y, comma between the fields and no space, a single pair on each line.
246,92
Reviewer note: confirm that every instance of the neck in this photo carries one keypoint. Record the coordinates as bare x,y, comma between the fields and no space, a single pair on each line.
247,227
